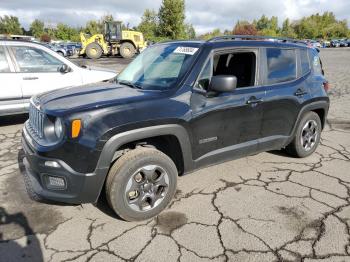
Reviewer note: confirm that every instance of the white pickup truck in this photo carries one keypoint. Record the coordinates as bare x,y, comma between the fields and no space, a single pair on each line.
28,68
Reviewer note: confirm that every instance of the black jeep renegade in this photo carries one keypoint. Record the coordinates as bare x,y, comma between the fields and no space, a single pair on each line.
177,107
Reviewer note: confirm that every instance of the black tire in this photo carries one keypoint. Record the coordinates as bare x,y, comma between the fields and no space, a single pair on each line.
296,147
127,50
94,51
60,53
124,170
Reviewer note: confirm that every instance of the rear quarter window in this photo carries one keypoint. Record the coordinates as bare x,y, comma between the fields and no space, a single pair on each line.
281,65
315,62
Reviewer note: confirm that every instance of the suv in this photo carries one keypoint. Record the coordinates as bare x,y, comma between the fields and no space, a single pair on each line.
177,107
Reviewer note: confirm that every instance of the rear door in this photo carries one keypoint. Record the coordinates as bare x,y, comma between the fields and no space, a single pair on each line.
11,93
38,70
286,91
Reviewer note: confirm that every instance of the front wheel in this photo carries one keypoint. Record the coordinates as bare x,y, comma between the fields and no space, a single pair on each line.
307,136
127,50
141,183
94,51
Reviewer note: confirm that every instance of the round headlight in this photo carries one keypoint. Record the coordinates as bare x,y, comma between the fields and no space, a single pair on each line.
58,127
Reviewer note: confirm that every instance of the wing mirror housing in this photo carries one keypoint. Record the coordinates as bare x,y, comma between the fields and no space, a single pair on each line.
223,83
64,69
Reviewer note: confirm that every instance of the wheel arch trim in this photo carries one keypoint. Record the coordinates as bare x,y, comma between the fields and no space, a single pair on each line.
116,141
316,105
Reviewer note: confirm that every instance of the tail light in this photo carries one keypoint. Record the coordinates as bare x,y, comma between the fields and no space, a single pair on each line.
326,86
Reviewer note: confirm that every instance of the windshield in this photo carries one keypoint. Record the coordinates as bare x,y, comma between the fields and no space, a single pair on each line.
159,67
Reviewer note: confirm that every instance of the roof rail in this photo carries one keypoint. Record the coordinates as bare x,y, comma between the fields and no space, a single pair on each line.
254,37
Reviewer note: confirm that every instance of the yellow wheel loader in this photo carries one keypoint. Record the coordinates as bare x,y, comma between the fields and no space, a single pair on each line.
113,41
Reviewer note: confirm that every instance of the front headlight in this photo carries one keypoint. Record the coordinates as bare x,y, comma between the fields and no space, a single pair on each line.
58,127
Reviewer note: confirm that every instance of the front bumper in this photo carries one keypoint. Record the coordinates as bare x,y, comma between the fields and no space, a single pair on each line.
79,188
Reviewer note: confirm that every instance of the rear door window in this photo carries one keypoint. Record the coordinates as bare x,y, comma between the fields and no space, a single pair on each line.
304,61
281,65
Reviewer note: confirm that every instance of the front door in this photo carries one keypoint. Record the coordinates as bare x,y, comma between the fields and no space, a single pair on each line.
39,71
227,125
10,88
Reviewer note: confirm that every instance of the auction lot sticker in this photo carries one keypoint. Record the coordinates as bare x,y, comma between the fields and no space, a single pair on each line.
185,50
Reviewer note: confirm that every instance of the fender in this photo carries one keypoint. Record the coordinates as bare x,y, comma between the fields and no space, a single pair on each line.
322,104
120,139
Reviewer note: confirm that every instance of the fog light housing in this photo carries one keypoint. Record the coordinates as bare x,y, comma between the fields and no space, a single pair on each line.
54,182
52,164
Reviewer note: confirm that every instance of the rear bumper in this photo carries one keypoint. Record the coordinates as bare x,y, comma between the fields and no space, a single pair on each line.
79,188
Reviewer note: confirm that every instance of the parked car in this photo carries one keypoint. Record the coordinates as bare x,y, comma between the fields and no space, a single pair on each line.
326,43
343,43
70,48
28,68
177,107
315,44
58,49
335,43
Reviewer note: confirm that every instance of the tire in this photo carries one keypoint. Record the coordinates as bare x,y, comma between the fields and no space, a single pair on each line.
127,50
141,164
60,53
300,149
94,51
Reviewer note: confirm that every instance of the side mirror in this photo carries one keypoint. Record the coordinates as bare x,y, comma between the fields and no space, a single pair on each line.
64,69
223,83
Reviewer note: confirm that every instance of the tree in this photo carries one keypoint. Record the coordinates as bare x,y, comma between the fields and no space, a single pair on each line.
64,32
10,25
244,28
216,32
190,32
149,24
45,38
267,26
172,19
37,28
287,29
93,27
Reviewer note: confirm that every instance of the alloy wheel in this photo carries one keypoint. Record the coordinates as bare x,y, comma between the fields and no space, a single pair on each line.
147,188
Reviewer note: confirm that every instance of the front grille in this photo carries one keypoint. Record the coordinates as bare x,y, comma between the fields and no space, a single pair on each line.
36,121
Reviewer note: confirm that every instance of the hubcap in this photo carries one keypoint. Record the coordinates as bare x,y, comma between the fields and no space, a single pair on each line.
309,135
147,188
93,51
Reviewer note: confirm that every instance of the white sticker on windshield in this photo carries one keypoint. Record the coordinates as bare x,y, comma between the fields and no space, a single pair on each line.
185,50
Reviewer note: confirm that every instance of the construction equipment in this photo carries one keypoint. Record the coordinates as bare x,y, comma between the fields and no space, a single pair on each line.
113,41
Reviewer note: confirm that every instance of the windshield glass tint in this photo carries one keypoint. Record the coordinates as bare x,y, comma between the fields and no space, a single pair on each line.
159,67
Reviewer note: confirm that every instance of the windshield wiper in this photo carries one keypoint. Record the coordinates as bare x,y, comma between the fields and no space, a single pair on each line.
128,83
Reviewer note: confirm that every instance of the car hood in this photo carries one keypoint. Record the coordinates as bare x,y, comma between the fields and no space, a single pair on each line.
93,74
98,95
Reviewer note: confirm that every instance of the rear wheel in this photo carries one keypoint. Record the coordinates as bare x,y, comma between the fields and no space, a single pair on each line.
141,183
94,51
307,136
127,50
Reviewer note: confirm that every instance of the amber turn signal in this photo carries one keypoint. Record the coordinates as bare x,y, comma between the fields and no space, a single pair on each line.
76,126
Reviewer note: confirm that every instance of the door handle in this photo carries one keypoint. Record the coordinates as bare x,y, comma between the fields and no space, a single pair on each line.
30,78
300,92
253,100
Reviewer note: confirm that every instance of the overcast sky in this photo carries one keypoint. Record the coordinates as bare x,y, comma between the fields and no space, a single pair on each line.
205,15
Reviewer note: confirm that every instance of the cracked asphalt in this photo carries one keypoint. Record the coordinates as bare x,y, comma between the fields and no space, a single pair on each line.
266,207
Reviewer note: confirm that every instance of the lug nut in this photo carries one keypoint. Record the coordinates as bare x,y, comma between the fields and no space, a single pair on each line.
138,178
